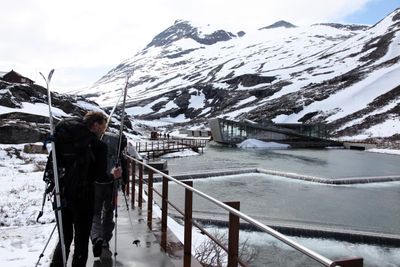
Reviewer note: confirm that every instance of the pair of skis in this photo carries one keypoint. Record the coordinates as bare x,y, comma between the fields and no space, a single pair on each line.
54,158
55,170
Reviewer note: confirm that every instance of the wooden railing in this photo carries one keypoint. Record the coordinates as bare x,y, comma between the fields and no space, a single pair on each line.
139,167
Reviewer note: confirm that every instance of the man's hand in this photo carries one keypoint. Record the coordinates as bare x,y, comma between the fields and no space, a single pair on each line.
116,172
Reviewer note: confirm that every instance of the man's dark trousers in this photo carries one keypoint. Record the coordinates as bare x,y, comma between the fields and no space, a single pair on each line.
76,218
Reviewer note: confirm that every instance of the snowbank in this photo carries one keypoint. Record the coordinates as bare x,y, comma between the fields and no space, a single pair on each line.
21,194
385,151
254,143
180,154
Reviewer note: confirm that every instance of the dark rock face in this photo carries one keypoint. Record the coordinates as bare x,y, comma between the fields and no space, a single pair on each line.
240,33
350,27
248,80
21,132
26,117
379,47
182,29
278,24
181,53
379,102
396,17
20,127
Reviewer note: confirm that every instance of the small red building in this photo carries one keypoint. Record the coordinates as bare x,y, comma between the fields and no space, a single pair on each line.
15,77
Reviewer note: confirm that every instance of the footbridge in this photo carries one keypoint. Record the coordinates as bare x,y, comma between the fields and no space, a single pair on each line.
158,148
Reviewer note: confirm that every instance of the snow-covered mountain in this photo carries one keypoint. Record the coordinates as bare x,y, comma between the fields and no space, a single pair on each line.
345,75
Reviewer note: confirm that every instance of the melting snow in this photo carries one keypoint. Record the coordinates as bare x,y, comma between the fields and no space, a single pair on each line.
254,143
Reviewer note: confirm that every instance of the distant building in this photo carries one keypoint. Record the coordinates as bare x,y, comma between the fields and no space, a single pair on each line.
195,133
294,134
14,77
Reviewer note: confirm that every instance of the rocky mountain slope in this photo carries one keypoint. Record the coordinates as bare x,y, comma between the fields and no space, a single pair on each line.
344,75
24,111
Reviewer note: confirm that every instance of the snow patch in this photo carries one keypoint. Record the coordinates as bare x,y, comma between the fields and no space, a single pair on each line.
254,143
180,154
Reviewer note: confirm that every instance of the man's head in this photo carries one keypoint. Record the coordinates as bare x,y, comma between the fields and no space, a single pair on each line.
96,122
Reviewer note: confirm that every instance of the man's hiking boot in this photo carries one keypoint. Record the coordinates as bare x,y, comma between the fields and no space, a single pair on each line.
97,247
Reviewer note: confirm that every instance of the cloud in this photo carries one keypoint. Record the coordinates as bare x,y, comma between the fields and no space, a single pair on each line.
78,36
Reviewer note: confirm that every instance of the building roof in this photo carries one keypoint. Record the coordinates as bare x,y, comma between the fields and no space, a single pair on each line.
2,74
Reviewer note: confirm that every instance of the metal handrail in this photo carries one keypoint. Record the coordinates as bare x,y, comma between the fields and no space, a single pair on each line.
310,253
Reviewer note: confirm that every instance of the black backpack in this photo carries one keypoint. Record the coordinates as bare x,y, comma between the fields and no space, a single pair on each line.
112,142
73,142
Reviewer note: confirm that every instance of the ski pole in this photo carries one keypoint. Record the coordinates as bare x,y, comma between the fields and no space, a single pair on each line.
116,220
121,129
116,104
55,171
44,249
43,202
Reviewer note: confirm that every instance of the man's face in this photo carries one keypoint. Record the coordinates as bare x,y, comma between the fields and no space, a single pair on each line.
98,128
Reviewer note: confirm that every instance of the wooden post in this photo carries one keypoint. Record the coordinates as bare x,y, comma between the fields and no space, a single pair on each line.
187,246
133,184
150,199
164,212
127,188
233,239
140,195
356,262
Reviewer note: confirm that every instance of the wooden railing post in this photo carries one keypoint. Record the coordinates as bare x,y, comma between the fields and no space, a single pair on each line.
127,188
233,238
164,212
140,195
187,246
133,189
356,262
150,199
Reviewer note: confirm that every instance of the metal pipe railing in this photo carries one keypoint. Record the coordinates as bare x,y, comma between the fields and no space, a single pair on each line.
203,231
304,250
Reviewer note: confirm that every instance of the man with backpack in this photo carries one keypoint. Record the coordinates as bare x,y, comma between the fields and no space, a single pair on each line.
81,159
105,190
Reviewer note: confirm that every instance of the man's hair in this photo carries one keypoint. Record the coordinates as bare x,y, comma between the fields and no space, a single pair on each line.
94,116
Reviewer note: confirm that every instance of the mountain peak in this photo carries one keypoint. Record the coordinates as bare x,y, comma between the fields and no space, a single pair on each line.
183,29
278,24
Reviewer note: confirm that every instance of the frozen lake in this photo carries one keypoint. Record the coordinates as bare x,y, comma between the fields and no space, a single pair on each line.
332,163
271,199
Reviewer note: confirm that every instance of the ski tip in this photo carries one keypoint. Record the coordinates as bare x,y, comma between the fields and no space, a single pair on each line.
41,74
129,75
50,75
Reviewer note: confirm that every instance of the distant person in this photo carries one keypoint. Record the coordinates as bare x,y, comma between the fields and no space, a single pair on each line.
81,158
105,190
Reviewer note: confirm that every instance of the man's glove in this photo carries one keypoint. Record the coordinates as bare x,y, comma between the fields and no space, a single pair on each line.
116,172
